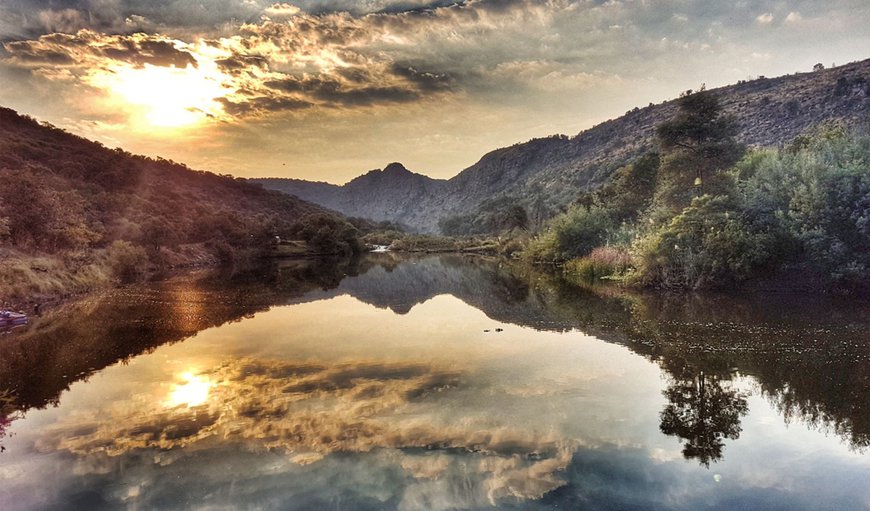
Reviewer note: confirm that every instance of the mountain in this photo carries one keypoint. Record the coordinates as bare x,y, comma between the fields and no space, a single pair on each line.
769,111
393,194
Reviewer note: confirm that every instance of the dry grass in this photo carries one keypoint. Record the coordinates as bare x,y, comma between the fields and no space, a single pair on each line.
25,278
601,263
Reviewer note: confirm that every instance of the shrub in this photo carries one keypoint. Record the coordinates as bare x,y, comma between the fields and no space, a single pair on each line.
127,261
572,234
327,234
708,244
602,262
818,193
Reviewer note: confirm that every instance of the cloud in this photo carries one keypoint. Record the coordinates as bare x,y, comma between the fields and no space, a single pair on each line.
280,10
764,19
269,67
793,17
309,412
87,49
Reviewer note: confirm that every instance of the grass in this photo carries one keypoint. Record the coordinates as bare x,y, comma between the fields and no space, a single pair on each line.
602,263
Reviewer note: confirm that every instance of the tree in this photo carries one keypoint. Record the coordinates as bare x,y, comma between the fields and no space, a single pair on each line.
819,67
698,144
630,189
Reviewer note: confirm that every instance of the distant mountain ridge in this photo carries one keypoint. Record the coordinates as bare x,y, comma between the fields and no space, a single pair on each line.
769,111
389,194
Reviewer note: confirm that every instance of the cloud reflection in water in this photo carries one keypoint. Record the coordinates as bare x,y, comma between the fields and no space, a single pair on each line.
310,411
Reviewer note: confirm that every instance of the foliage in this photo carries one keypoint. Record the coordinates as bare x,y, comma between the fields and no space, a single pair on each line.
428,243
698,145
601,263
328,234
385,238
572,234
492,216
629,191
127,261
816,193
708,244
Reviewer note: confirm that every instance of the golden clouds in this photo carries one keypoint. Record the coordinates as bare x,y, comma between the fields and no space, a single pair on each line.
292,65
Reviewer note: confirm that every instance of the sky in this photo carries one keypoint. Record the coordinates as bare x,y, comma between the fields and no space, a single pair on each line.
328,89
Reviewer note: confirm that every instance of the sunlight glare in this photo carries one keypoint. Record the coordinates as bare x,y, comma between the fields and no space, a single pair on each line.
193,392
168,97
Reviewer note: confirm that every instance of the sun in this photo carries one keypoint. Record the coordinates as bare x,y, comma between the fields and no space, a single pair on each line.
193,392
166,97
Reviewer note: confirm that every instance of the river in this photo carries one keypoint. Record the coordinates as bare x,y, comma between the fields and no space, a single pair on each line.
434,382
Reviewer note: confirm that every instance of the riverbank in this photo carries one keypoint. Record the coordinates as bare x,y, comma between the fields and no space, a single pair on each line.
434,244
28,279
48,279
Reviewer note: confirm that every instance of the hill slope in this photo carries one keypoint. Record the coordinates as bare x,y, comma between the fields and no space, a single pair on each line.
770,112
70,208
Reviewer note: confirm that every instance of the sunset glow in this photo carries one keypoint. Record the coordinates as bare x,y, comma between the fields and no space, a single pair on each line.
166,97
339,87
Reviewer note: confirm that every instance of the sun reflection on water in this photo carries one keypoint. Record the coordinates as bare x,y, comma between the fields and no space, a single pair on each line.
193,392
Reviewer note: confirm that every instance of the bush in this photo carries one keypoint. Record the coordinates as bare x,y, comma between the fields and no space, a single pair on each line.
327,234
572,234
708,244
127,261
602,262
817,194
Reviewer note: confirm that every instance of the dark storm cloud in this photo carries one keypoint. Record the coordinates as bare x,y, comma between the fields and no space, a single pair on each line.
354,87
27,55
238,63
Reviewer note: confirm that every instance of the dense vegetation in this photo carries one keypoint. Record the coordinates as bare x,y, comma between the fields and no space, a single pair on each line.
705,212
499,214
75,214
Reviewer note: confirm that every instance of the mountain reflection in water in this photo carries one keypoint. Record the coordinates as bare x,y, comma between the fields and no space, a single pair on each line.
383,383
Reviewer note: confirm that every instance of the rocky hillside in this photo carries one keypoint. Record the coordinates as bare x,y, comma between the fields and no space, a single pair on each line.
770,112
393,194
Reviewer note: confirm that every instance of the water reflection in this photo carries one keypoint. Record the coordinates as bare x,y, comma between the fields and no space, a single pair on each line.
192,392
703,410
372,384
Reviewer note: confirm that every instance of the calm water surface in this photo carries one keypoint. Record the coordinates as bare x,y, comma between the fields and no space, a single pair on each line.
442,382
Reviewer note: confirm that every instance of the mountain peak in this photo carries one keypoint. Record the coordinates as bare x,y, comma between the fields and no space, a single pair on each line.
396,168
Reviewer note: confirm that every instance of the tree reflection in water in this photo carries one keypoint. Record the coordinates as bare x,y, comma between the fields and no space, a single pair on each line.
704,410
8,413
